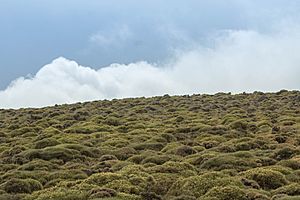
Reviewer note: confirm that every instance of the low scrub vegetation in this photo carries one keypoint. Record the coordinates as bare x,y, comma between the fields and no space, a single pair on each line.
199,147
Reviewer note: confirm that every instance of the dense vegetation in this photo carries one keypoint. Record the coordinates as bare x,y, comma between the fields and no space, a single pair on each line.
199,147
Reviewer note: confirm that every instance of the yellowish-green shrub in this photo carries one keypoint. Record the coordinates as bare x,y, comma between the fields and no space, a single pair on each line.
198,186
226,193
266,178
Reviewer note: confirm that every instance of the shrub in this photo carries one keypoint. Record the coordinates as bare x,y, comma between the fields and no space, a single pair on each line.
229,162
50,153
240,125
123,186
101,179
294,176
185,151
2,134
285,197
101,193
24,130
137,159
266,178
108,157
85,128
12,196
22,185
17,186
82,149
182,168
124,153
113,121
227,193
246,145
278,168
13,151
169,137
71,174
149,146
41,176
158,160
163,182
285,153
59,194
38,164
197,186
254,194
250,183
134,170
46,142
184,197
34,185
281,138
293,163
292,189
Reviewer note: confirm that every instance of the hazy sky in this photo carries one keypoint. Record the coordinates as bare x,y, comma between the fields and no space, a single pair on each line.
161,33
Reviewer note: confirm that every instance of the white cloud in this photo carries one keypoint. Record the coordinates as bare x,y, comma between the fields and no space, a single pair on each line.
240,61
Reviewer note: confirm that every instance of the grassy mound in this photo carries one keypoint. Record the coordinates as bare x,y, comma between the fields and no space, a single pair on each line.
199,147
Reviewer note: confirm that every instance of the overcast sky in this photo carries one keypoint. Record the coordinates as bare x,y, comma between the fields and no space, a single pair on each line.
163,34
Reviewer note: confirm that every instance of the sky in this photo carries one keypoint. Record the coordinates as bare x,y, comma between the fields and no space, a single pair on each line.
65,51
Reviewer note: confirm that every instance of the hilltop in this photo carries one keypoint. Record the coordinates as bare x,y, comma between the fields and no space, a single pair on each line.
193,147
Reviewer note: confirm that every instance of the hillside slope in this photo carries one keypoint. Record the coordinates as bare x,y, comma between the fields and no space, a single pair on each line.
209,147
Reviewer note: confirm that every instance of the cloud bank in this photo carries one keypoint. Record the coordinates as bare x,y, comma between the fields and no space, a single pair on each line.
238,61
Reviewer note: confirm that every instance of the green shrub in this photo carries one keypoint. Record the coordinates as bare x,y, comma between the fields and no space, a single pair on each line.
163,182
59,194
13,151
113,121
108,157
285,197
137,159
38,164
85,128
40,176
46,142
240,125
293,163
22,185
182,168
294,176
82,149
24,130
50,153
226,193
158,160
247,145
124,153
285,153
184,197
99,193
149,146
229,162
169,137
101,179
17,186
292,189
266,178
197,186
71,174
256,194
12,196
123,186
185,151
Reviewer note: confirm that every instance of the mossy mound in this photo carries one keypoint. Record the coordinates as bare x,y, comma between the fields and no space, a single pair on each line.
192,147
